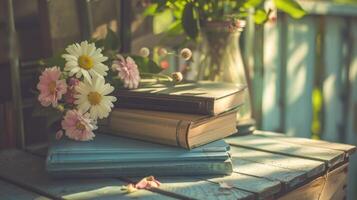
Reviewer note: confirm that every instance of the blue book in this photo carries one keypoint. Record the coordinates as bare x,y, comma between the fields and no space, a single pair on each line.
108,156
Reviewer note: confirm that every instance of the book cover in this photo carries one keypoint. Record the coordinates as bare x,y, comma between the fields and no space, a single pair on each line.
208,98
110,155
176,129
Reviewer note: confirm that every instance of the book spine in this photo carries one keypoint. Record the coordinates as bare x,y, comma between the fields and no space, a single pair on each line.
204,107
148,128
162,169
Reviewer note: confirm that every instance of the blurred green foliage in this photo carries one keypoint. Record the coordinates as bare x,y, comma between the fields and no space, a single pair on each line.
317,102
177,16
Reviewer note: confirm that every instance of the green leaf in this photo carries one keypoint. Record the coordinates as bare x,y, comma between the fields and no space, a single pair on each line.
55,60
110,42
41,111
162,21
260,16
150,10
252,3
175,28
53,119
190,22
291,7
146,65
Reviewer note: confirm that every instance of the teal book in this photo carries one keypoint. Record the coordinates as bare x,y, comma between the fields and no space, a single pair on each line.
110,156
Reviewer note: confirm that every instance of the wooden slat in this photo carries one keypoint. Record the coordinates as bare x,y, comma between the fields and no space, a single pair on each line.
262,187
328,8
200,189
332,84
331,186
271,108
331,157
197,188
352,118
300,62
309,191
12,192
336,184
312,168
28,171
287,177
349,149
61,25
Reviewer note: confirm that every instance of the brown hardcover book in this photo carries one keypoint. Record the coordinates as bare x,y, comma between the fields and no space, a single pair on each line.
207,98
176,129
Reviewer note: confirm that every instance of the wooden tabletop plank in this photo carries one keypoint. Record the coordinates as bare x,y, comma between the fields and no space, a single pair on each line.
349,149
311,168
288,178
28,170
262,187
198,188
329,156
12,192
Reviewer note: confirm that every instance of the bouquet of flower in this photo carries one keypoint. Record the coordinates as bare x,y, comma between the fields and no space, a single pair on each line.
77,86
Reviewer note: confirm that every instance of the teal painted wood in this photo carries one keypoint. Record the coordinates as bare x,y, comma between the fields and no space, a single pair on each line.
300,41
329,8
26,169
258,80
311,168
348,149
332,85
198,188
352,114
12,192
288,178
329,156
271,107
262,187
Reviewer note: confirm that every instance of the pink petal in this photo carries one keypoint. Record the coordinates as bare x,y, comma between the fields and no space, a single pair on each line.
59,134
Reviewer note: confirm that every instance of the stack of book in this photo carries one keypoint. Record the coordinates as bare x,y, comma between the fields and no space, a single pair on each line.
157,130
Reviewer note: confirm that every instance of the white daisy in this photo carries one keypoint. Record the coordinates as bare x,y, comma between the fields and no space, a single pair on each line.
84,59
92,96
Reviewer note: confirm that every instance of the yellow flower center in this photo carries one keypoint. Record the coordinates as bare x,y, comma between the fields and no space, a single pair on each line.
94,98
52,87
80,126
85,62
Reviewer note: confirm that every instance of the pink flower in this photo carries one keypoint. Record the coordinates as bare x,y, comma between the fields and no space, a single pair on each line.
71,91
78,126
147,183
127,71
51,87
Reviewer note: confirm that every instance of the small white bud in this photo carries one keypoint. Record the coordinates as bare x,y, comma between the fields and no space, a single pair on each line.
186,53
145,52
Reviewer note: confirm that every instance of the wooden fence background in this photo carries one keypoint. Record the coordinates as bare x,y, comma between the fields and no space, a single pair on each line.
304,75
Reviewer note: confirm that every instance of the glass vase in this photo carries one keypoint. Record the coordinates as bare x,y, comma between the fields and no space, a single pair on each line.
220,60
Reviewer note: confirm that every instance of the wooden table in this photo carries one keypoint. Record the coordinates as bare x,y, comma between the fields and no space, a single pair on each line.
266,166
